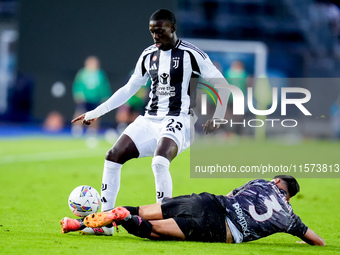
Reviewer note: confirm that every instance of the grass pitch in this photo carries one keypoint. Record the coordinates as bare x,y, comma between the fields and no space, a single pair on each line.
37,175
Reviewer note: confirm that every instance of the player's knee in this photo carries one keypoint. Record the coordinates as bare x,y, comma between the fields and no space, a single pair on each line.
115,155
167,148
110,155
157,228
121,154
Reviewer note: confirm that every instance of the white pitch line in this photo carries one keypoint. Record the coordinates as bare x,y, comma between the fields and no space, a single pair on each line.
48,156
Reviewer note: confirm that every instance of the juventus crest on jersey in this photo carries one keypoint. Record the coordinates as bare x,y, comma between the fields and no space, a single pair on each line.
170,73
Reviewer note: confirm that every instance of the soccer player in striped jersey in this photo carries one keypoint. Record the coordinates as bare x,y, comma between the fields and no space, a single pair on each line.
164,130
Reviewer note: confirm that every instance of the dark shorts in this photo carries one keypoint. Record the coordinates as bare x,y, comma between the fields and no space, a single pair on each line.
200,217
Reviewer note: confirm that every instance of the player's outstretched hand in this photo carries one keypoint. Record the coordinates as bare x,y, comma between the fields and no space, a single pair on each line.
82,119
209,126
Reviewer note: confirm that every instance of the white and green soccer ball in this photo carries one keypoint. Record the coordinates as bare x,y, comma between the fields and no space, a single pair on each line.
84,200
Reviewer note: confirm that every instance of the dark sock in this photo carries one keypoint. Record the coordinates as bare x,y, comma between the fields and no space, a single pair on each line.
82,225
132,210
135,225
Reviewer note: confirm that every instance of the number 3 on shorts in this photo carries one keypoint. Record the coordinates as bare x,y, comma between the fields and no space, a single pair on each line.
173,125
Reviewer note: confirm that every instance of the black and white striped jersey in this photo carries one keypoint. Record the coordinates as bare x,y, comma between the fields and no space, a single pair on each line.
170,72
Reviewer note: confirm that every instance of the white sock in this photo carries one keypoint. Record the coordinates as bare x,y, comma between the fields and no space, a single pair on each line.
110,185
160,168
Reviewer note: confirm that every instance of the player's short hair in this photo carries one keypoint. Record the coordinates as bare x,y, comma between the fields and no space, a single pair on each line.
292,184
164,14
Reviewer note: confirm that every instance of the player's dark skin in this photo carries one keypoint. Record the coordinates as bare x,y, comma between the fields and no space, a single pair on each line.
164,35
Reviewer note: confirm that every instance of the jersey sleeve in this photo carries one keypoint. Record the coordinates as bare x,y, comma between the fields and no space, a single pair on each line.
140,76
205,68
209,72
297,227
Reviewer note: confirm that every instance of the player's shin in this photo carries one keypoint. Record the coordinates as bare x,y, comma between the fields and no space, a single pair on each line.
110,185
160,168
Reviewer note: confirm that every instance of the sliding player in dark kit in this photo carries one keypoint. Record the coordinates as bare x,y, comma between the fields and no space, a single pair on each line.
257,209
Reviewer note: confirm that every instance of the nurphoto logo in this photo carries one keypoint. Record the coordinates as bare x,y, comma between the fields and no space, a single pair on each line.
303,95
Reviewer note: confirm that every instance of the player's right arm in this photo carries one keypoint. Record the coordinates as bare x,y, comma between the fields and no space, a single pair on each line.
313,239
137,80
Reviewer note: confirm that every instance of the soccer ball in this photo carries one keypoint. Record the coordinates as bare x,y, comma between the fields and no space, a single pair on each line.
84,200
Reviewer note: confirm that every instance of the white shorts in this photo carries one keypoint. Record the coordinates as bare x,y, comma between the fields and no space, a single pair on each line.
146,131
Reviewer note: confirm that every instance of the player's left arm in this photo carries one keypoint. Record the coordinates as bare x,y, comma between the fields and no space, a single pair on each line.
211,74
221,107
116,100
313,239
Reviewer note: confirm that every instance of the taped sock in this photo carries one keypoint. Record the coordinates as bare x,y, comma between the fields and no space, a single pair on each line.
110,184
163,181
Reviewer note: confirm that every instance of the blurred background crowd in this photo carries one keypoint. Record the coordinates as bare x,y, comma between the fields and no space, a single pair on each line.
52,53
